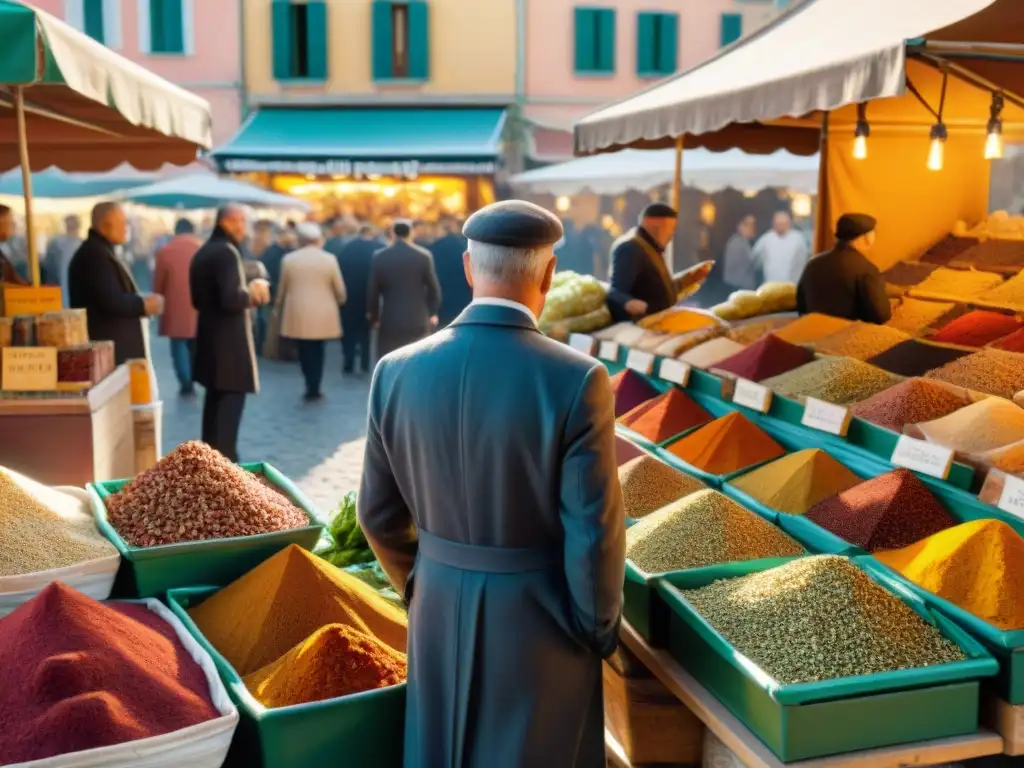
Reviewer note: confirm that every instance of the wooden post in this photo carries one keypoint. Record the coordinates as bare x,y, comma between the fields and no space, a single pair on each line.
822,235
26,182
677,179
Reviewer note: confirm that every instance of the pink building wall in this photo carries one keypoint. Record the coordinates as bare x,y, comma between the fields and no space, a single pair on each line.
212,71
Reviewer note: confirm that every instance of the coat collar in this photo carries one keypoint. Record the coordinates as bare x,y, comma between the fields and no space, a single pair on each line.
494,314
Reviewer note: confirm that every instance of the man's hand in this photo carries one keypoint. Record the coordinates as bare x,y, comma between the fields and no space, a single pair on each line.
636,307
259,292
153,304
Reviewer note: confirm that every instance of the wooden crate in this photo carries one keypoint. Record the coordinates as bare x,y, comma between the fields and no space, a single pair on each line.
652,726
1008,721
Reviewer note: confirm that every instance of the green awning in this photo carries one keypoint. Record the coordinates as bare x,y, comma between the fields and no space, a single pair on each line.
366,142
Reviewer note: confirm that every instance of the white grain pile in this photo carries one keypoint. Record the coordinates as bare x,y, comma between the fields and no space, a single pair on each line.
711,352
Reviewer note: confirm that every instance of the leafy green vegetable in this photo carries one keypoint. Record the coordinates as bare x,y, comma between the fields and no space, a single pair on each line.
349,544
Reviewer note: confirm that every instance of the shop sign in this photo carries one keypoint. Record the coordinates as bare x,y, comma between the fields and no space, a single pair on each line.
29,369
751,395
921,456
581,342
640,361
26,300
609,351
675,371
408,170
827,417
1012,498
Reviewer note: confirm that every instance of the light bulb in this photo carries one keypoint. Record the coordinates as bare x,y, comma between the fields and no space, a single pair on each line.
994,146
860,147
935,155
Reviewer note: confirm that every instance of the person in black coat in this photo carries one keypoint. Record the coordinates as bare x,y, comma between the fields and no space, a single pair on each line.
451,274
100,283
225,362
842,282
354,259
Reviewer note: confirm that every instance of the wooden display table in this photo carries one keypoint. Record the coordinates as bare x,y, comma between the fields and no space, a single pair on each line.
748,748
71,440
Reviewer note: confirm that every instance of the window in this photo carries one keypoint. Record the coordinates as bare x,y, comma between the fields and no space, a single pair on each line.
400,40
595,40
732,28
166,26
92,19
657,36
300,40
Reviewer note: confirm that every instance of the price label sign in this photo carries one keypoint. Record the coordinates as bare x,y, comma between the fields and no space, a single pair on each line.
921,456
25,300
29,369
751,395
1012,498
675,371
609,351
640,361
827,417
581,342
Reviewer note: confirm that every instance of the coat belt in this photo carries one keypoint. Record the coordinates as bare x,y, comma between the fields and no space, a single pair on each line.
470,557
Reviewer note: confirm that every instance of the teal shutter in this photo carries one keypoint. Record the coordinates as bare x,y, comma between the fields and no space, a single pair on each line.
585,26
646,35
668,43
732,28
282,37
419,40
383,59
92,13
606,40
174,33
316,39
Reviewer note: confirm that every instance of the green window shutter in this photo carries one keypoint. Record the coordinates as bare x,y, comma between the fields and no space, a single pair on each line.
166,27
732,28
419,40
282,35
668,43
585,25
316,39
646,34
606,40
382,40
92,19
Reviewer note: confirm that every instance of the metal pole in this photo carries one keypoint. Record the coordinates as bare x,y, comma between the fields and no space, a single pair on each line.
26,182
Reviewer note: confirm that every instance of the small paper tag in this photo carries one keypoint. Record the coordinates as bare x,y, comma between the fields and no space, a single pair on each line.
675,371
29,369
640,361
922,456
751,395
609,351
827,417
581,342
1012,498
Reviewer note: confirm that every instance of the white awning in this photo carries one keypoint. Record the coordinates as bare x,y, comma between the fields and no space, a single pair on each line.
645,170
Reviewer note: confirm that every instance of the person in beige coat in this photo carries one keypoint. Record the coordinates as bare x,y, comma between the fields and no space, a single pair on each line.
308,297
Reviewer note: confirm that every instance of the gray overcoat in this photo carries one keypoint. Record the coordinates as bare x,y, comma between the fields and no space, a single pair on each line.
491,498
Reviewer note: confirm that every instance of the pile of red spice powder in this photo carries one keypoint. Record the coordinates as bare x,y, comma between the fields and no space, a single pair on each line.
1012,343
630,389
771,356
665,416
891,511
977,328
79,674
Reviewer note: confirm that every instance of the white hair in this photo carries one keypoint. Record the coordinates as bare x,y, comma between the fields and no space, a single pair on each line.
511,266
308,232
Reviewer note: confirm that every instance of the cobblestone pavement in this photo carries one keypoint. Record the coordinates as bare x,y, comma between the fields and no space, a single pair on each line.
318,445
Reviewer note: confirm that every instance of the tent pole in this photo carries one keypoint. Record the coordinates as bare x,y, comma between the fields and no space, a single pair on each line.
677,179
823,221
26,182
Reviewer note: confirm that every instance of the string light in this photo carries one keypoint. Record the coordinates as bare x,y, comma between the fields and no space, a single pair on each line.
861,133
994,140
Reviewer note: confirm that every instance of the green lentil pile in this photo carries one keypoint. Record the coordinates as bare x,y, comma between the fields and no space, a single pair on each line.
704,528
820,618
649,484
839,380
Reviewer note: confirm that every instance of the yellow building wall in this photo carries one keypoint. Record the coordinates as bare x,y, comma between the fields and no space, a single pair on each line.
472,51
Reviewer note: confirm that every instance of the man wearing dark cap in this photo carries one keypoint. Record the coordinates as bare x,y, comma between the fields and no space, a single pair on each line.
403,295
842,282
641,282
491,499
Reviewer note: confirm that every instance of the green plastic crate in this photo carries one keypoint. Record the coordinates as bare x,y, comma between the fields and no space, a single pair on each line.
360,730
151,571
798,722
1006,646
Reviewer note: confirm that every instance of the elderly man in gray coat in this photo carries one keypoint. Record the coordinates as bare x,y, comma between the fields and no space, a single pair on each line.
490,497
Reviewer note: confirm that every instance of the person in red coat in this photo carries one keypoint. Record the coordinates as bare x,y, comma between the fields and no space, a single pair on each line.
170,280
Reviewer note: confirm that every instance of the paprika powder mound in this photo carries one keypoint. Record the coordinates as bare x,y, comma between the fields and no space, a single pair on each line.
978,566
262,615
665,416
977,328
795,483
771,356
630,390
726,445
334,661
80,674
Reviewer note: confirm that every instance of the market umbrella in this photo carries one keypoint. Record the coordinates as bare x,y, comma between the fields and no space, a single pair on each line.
55,183
208,191
79,106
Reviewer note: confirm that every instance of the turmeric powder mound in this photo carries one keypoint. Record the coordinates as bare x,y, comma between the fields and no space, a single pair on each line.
679,320
727,445
812,327
278,604
795,483
334,661
978,566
